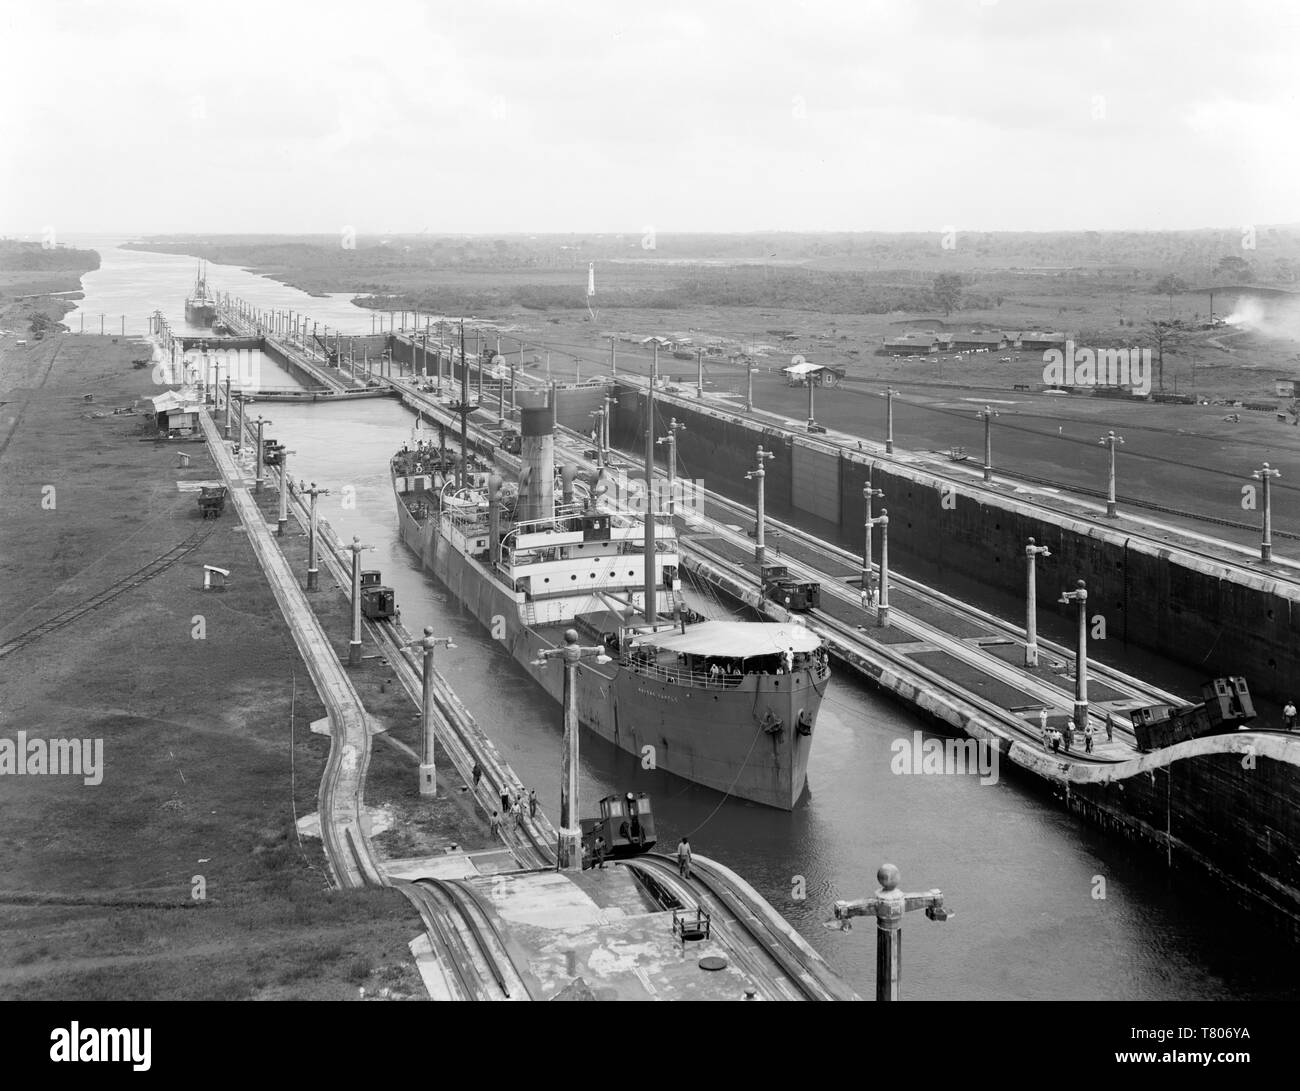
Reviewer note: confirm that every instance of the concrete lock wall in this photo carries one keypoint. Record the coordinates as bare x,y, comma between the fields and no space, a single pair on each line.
1184,609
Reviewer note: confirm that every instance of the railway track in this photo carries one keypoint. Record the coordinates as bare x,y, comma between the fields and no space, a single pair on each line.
477,963
113,591
533,848
783,963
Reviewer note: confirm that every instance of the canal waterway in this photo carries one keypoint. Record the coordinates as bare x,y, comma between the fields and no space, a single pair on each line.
1046,908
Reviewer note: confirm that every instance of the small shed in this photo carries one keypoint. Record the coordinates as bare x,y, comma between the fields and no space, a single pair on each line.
805,374
176,414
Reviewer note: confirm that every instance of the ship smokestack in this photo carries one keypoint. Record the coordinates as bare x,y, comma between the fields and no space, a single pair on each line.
537,452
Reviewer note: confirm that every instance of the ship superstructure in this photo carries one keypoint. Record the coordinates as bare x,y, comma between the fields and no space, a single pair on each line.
728,704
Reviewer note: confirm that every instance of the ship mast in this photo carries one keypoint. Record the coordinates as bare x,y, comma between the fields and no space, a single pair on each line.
650,614
464,413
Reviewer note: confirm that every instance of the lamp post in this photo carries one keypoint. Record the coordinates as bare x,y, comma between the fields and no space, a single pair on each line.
257,469
1080,597
1265,475
812,385
283,516
1032,553
354,645
882,603
868,495
890,394
598,415
1111,440
699,373
758,474
569,857
313,573
888,907
428,772
749,386
227,423
986,415
674,426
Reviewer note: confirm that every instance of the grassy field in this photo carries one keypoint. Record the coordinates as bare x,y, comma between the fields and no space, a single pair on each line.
203,707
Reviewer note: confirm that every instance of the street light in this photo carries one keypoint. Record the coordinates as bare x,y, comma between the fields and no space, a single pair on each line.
354,645
1111,440
888,907
569,857
283,516
313,573
758,475
987,414
1081,655
674,426
428,774
1266,543
1032,552
598,415
890,394
882,604
868,495
749,386
257,469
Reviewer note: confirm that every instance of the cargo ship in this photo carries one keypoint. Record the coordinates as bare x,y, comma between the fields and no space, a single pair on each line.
200,307
728,704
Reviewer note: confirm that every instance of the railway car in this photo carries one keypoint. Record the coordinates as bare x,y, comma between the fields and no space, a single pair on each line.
792,593
377,601
272,452
626,823
1226,706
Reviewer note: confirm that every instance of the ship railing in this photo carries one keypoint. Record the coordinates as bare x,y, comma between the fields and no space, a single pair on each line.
679,676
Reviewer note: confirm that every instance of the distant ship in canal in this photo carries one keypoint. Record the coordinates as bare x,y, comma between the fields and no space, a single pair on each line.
201,307
727,704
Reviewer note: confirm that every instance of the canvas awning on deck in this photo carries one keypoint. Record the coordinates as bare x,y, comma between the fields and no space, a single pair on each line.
736,639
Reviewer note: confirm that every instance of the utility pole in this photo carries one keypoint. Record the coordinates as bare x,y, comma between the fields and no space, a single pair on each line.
1111,440
1081,654
1032,553
227,424
428,771
749,386
759,474
812,421
598,415
699,373
283,516
651,581
882,602
890,394
313,573
613,363
888,907
257,470
1265,475
987,414
868,495
569,858
354,645
674,426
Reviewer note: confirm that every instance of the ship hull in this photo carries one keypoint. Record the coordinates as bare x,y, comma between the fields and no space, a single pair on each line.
200,312
741,741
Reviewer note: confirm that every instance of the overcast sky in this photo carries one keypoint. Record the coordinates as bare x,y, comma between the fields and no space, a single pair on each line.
505,116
